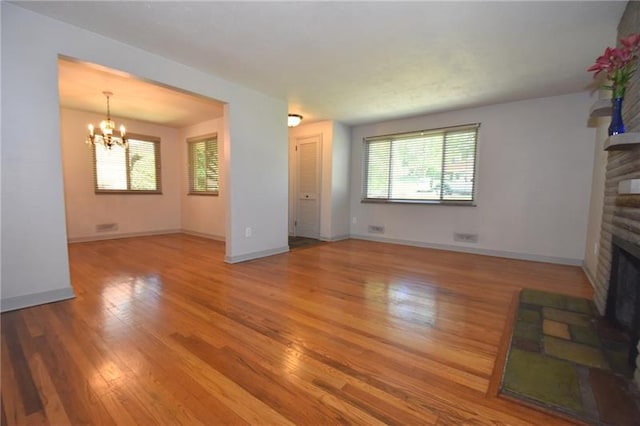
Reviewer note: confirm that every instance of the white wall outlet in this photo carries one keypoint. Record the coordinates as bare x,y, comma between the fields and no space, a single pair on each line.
248,232
354,220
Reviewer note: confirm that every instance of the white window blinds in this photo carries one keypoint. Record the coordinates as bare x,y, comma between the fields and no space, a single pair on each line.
134,169
203,165
430,166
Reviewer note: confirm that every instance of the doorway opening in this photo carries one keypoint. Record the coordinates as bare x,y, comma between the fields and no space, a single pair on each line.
170,117
296,243
305,178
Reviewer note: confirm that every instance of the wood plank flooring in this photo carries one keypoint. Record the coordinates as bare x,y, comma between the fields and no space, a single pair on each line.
162,331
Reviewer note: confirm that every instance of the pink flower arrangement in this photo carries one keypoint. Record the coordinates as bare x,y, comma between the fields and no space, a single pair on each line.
619,64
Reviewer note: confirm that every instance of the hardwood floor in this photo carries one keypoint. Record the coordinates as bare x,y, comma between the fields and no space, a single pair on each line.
163,332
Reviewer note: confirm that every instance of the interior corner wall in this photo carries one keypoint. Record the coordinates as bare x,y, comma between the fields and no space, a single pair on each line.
36,268
340,185
533,183
134,214
596,203
202,214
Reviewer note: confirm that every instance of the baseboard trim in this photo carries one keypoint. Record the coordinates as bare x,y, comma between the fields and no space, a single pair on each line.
19,302
484,252
336,238
203,235
256,254
122,235
589,276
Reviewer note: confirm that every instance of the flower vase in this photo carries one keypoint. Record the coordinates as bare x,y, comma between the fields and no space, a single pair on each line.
617,126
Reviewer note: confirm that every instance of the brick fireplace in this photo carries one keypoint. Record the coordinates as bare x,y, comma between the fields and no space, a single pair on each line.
623,295
621,213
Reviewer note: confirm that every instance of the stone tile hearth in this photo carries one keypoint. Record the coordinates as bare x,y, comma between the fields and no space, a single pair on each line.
564,356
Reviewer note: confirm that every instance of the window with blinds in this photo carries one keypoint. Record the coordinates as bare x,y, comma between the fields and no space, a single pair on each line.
203,165
431,166
134,169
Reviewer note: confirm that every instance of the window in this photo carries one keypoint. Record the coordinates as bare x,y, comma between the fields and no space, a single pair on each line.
430,166
203,165
134,169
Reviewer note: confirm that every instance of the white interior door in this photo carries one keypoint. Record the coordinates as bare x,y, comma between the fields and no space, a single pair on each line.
307,192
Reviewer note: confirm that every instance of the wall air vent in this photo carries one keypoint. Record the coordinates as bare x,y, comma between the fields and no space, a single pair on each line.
376,229
465,238
106,227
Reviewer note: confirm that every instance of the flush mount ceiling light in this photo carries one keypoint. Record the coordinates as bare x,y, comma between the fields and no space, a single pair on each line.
106,136
294,119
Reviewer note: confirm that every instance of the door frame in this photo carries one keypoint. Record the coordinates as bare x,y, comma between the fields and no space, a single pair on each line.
293,180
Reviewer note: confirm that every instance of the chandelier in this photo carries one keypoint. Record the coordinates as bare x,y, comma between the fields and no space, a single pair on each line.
107,127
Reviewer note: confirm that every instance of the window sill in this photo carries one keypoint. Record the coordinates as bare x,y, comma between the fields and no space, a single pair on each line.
206,194
123,192
420,202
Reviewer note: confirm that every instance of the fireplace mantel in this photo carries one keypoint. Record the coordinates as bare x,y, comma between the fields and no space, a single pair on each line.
622,142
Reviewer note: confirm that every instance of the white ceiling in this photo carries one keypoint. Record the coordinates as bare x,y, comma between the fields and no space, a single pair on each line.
359,62
81,85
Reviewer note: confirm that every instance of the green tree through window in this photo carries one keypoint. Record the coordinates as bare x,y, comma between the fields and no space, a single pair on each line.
134,169
203,165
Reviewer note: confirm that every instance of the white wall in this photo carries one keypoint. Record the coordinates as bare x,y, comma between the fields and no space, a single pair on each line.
34,259
533,182
143,213
34,256
202,214
255,161
340,185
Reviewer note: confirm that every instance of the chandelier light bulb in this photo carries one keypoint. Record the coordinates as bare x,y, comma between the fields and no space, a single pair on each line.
107,127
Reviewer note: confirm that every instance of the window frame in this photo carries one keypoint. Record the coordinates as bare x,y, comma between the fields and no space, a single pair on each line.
190,164
158,165
440,202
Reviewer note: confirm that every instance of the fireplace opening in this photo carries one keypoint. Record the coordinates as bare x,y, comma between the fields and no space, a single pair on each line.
623,297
